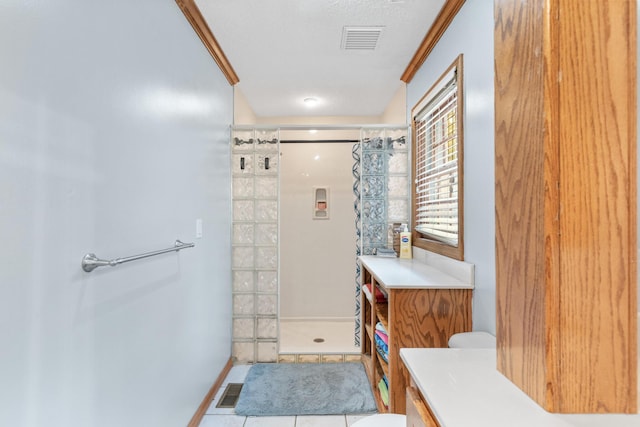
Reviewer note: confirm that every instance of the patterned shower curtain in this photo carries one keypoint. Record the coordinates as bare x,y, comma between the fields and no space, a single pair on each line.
381,194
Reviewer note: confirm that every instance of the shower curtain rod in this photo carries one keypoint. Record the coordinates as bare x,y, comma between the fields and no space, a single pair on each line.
318,127
321,141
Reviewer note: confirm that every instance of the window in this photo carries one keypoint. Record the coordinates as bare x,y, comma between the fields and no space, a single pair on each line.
437,166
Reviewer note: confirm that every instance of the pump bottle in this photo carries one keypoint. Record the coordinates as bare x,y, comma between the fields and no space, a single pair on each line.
405,243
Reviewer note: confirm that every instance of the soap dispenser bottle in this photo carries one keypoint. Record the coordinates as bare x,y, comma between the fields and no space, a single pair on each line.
405,243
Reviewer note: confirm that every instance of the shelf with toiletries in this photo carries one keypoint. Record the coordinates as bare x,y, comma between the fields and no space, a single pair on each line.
406,304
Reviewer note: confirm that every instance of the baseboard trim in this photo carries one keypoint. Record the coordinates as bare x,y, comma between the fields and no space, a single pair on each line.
202,409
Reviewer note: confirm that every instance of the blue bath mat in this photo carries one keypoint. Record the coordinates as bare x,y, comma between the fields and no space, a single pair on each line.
305,389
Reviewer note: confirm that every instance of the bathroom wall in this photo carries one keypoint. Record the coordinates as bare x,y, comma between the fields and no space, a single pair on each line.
242,112
317,280
317,256
396,111
471,33
114,140
327,127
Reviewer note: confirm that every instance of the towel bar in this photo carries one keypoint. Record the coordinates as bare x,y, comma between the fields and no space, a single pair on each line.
90,261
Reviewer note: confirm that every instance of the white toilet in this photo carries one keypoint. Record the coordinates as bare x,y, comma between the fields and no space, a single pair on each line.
477,339
382,420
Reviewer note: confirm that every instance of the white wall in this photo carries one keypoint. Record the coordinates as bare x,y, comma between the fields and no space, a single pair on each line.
396,111
317,257
471,33
113,139
242,112
318,120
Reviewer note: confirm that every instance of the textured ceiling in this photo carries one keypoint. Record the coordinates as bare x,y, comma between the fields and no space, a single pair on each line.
286,50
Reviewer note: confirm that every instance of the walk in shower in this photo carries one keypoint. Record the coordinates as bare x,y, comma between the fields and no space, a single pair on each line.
303,210
317,241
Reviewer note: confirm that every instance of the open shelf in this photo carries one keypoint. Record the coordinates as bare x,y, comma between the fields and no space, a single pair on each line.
415,316
382,313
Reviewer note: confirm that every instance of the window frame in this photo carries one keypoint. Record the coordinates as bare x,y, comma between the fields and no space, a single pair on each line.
420,240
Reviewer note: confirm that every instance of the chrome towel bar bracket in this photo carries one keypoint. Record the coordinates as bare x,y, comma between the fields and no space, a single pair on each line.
90,261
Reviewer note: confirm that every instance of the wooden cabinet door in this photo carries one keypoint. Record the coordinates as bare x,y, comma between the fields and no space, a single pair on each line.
418,415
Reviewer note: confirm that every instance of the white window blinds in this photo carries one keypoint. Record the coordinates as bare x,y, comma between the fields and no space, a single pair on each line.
436,167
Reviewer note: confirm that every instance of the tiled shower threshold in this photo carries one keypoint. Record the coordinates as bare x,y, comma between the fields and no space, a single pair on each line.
317,341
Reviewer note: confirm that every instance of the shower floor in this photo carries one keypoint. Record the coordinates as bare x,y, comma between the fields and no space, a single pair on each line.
317,337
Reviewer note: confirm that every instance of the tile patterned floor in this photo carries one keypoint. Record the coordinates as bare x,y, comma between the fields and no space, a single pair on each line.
219,417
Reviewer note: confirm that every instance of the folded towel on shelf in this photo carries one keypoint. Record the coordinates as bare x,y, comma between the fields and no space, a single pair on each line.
381,344
367,292
380,296
384,337
382,349
384,392
380,327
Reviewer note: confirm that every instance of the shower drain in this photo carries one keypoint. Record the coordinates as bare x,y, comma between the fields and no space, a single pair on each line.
318,340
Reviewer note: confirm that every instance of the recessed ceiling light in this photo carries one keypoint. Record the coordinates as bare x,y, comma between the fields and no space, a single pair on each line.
310,102
313,130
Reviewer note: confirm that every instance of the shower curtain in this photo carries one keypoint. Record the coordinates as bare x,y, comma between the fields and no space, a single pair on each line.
381,194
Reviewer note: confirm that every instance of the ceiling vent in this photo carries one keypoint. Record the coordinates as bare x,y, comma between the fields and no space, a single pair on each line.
360,38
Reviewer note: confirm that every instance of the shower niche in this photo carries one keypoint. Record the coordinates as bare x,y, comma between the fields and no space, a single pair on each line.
320,202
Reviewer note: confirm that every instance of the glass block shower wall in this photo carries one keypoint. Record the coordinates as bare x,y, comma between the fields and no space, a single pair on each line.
255,159
381,191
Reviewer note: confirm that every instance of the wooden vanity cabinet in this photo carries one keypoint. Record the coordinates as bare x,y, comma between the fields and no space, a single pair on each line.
418,412
423,309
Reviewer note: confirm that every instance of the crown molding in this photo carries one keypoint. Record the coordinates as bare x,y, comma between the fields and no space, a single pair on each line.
197,21
440,25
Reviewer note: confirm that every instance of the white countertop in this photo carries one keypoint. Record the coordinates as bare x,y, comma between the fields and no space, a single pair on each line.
410,274
464,389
